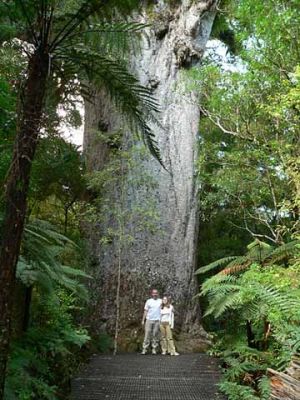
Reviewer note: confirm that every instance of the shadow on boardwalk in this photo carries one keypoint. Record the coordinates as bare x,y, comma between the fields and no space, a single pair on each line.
133,376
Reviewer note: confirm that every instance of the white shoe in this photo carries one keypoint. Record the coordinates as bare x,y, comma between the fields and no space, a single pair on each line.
163,353
175,354
154,352
144,352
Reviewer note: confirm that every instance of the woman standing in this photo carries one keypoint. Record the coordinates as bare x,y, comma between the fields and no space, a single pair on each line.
166,326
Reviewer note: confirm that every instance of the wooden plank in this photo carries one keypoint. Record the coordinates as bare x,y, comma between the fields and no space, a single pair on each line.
286,385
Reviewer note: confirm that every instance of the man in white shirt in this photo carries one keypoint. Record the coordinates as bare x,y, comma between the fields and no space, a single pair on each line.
151,314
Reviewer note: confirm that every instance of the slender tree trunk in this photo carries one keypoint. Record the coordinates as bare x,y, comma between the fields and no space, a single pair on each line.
117,327
66,220
16,195
27,304
250,335
120,247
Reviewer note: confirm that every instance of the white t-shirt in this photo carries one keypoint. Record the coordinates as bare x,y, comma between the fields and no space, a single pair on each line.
167,315
153,309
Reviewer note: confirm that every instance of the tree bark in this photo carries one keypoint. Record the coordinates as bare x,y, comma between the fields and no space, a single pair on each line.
164,259
286,385
16,190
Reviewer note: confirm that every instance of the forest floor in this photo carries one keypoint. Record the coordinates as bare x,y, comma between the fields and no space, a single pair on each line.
150,377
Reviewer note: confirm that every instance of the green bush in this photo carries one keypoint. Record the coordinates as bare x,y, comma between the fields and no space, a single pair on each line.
103,343
257,306
45,357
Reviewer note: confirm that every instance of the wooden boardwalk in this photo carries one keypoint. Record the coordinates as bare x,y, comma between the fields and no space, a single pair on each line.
137,377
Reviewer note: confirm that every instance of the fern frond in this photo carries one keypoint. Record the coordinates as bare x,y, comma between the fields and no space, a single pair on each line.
235,391
264,388
74,272
215,264
135,102
283,252
46,232
223,294
258,250
218,283
40,263
219,305
277,299
238,264
258,244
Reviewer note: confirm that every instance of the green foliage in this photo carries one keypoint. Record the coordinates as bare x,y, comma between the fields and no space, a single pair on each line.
43,360
222,30
103,343
85,46
258,309
41,260
237,392
249,132
257,252
57,171
86,50
248,171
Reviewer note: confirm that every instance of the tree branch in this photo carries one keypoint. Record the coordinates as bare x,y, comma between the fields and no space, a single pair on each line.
216,121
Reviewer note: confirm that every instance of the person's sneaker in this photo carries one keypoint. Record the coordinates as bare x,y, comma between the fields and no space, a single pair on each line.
175,354
153,351
143,352
163,353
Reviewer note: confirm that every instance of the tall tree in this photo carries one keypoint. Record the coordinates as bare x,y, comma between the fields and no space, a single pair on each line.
250,124
63,41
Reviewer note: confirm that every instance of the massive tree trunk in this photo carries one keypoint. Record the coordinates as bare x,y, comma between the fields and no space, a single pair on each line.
16,197
165,259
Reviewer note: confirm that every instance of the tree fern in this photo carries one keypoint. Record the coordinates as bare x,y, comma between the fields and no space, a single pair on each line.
41,260
226,292
258,252
88,40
